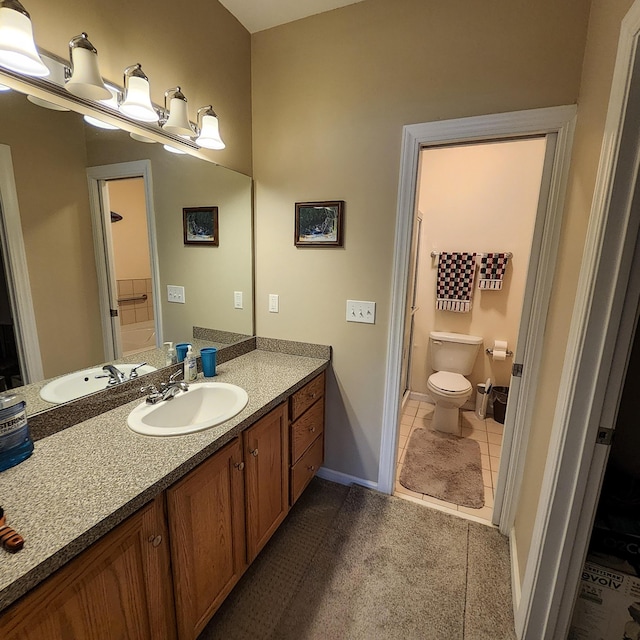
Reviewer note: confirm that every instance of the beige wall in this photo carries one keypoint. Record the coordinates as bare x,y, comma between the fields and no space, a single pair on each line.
330,96
476,198
49,162
130,236
201,47
602,42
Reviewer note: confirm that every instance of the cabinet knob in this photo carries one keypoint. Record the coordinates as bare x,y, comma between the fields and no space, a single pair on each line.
155,540
312,429
254,452
239,466
311,467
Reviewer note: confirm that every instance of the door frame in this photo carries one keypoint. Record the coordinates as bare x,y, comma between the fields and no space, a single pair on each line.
96,176
600,338
552,120
18,283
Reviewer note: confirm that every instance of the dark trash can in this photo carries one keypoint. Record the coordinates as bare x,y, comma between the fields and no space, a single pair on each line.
499,395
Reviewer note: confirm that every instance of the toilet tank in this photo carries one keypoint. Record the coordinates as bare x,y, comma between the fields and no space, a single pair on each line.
454,352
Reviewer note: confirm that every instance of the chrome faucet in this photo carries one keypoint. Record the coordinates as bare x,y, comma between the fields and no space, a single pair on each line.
115,375
167,391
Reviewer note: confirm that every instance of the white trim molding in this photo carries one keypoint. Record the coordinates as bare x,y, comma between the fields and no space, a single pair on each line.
575,464
19,285
95,175
553,120
344,478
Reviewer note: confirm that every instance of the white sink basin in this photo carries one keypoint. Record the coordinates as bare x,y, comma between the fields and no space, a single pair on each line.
202,406
81,383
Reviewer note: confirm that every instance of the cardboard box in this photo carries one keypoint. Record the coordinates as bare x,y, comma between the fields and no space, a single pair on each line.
606,601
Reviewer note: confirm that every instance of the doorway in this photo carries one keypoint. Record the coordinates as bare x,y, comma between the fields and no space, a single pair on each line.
557,123
131,264
126,257
476,197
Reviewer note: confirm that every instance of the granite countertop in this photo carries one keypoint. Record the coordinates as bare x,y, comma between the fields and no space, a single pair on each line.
83,481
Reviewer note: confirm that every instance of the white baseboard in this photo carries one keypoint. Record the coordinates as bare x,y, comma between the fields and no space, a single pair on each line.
515,572
344,478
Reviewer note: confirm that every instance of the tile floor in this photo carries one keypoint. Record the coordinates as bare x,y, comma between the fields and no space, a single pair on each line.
487,432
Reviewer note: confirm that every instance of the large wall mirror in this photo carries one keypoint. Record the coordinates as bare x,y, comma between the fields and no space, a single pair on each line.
69,176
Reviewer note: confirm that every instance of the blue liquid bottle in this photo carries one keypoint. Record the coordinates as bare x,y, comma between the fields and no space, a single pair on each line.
15,442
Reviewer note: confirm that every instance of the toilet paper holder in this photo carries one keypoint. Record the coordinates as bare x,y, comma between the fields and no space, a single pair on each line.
489,351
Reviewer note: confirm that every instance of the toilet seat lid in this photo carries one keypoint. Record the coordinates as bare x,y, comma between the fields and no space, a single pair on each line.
447,381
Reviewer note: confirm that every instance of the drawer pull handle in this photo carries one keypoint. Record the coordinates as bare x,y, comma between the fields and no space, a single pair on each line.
311,467
155,540
239,466
254,452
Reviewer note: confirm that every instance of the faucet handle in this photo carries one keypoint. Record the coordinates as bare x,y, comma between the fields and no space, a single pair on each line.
134,371
174,376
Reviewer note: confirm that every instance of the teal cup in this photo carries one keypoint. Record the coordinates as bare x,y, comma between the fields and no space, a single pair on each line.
181,350
208,356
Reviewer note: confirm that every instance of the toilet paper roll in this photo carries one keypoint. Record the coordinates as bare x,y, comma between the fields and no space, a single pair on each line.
500,350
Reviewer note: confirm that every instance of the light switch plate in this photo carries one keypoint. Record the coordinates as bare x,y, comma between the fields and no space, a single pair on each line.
237,299
175,293
361,311
274,303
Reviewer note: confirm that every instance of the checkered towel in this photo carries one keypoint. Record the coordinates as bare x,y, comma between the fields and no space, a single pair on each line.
455,281
492,269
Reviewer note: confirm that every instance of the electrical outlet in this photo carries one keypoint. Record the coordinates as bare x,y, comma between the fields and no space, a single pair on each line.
274,303
175,293
237,299
361,311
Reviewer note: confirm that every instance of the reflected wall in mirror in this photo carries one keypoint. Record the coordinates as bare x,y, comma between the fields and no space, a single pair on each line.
50,153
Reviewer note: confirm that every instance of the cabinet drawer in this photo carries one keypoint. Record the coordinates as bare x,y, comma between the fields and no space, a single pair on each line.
306,429
306,468
305,397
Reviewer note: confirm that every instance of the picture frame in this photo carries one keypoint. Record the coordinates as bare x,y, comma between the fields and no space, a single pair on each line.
200,226
319,224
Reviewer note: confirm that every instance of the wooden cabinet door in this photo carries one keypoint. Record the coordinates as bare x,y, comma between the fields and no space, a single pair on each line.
206,524
266,455
119,588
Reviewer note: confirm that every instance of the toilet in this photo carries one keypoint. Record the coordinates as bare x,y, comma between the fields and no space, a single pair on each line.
452,357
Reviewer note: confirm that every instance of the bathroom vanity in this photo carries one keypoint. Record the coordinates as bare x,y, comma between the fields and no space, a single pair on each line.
135,536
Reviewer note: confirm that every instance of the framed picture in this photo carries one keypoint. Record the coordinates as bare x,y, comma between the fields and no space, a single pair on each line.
319,224
200,225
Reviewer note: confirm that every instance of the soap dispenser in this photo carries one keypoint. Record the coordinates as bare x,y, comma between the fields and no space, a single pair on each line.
190,366
171,357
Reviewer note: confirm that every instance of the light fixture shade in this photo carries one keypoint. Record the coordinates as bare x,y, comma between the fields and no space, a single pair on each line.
3,87
171,149
17,48
209,127
85,81
137,101
96,122
178,121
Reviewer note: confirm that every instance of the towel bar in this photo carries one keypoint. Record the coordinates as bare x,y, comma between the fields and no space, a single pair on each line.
132,298
508,254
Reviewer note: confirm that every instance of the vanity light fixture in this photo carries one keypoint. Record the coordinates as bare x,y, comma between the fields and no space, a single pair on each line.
178,121
17,47
85,81
112,103
140,138
41,102
173,149
136,101
209,129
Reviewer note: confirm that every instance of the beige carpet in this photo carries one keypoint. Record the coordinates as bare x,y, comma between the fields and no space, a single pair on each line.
370,567
444,466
